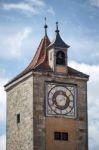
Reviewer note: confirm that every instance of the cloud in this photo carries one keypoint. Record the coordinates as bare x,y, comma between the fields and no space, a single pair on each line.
84,43
3,142
36,2
93,101
86,47
20,7
2,100
2,71
27,6
12,44
94,3
2,113
51,11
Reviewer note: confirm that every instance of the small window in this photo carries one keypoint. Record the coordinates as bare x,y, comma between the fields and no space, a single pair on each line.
57,135
63,136
18,118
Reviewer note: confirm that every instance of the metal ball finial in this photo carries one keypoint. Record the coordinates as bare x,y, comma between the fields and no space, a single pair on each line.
57,30
45,26
57,25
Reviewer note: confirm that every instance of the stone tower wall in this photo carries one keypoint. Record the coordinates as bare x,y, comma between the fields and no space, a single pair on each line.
35,130
20,101
42,124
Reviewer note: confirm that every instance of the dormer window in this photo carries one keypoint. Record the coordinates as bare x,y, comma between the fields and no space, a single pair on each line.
60,58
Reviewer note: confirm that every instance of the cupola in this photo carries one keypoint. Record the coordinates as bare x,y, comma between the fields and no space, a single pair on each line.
57,53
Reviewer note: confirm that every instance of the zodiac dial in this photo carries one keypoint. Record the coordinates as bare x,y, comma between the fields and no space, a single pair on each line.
61,99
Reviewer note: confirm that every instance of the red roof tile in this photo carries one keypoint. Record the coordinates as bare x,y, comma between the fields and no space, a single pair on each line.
40,59
40,62
41,53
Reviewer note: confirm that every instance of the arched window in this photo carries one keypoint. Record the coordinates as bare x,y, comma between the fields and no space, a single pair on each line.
60,58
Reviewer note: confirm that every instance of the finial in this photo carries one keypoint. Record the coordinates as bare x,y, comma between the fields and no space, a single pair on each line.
57,27
45,26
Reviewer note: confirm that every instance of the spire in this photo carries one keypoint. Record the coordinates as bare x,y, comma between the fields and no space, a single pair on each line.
57,31
45,26
58,42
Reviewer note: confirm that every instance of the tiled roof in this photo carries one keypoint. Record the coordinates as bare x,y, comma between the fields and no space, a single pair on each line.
58,42
39,58
71,71
41,53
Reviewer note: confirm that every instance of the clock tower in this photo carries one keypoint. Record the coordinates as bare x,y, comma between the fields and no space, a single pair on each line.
47,102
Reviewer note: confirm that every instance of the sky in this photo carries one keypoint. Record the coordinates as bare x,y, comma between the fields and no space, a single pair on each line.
22,28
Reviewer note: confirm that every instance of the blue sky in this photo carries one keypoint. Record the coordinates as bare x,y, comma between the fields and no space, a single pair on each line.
21,29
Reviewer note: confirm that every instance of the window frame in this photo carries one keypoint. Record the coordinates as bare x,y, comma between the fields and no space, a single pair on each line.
18,118
61,136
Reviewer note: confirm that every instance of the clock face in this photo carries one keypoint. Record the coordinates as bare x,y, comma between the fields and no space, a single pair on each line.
60,99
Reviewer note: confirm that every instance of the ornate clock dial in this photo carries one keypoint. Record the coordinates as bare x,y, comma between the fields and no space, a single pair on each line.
61,99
